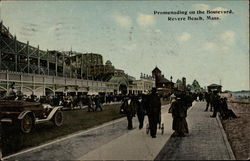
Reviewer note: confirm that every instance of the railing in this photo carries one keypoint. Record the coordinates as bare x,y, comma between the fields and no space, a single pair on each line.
52,72
8,65
45,79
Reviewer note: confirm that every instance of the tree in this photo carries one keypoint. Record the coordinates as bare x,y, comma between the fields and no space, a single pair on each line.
196,86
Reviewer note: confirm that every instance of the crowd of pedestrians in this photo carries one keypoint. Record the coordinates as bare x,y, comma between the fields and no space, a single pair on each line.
141,105
92,102
150,105
218,104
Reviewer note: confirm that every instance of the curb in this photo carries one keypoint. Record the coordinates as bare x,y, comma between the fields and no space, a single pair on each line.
82,132
228,146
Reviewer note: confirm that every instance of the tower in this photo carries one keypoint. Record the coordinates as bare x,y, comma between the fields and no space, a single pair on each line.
184,83
156,72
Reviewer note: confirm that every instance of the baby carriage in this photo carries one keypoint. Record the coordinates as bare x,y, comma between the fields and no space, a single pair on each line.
160,125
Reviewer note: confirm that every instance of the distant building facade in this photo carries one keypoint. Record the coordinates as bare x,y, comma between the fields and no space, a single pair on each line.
32,70
181,84
93,67
126,84
214,87
163,85
148,82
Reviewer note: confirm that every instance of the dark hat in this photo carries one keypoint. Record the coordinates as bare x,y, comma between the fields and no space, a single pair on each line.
154,90
178,94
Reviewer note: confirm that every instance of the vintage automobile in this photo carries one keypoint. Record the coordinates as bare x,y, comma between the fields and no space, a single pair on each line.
26,114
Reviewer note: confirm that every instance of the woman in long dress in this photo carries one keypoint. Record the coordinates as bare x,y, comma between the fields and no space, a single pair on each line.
179,114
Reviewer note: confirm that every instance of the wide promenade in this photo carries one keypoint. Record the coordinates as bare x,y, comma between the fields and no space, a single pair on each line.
112,141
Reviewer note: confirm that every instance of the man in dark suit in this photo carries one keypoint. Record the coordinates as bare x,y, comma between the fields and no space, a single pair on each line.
153,112
216,102
129,110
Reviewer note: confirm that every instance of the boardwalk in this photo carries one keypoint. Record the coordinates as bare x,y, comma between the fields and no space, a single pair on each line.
206,140
112,141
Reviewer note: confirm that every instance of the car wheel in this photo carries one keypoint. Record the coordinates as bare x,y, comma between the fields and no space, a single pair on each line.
26,124
58,118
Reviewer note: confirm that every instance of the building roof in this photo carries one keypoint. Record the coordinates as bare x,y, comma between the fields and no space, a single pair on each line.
163,80
214,85
156,70
92,54
119,80
108,62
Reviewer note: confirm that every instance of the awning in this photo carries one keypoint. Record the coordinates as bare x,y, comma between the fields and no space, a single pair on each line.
92,93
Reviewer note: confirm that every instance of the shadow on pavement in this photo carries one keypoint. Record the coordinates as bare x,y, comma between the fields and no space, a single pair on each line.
11,139
169,150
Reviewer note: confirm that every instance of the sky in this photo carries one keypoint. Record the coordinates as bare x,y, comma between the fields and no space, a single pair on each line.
134,39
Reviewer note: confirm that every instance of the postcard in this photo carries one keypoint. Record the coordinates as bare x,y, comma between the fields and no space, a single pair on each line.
124,80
